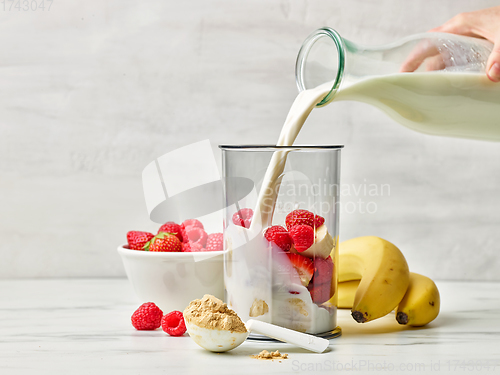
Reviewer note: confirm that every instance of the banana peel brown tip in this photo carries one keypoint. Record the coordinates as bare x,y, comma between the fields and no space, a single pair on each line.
359,316
402,317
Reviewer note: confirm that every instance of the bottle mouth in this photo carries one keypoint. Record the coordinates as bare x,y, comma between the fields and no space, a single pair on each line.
320,60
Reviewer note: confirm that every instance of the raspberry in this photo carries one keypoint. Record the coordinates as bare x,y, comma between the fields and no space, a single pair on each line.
302,237
299,217
189,247
192,223
173,228
243,217
279,236
136,240
318,221
196,235
147,317
173,323
189,223
215,242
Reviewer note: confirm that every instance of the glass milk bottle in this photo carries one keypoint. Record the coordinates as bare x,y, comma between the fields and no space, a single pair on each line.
433,83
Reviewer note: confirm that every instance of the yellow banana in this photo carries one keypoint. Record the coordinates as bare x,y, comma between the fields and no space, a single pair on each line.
383,273
420,304
347,291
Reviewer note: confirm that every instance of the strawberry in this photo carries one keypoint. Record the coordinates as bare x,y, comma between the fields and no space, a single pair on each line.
320,293
302,237
299,217
243,217
215,242
147,317
196,235
321,286
323,270
318,221
304,267
279,236
164,242
136,240
171,227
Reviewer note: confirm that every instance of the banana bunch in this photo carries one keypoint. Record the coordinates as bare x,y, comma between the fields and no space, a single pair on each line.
374,279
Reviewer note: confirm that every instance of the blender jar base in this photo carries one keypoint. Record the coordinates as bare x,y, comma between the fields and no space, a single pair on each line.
337,332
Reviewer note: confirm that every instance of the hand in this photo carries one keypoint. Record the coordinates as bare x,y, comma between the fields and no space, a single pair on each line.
483,23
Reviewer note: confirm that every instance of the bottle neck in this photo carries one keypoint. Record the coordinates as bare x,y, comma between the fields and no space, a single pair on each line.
321,59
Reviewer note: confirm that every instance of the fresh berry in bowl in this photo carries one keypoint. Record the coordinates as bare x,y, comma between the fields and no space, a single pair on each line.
171,227
172,272
137,240
215,242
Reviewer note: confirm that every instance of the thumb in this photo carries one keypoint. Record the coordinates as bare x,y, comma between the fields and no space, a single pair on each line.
493,64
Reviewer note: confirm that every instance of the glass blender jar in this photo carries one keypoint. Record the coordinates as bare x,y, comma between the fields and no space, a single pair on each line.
272,280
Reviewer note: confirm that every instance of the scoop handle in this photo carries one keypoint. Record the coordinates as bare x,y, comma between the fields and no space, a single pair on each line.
303,340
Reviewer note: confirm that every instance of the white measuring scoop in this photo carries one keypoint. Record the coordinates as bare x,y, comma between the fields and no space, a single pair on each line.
218,340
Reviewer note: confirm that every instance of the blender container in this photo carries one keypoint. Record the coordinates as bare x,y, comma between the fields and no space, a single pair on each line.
268,280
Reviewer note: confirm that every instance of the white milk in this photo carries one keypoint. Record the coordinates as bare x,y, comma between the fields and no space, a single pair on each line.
451,104
465,105
255,276
300,110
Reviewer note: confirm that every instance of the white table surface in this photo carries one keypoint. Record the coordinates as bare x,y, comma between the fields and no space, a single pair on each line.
82,326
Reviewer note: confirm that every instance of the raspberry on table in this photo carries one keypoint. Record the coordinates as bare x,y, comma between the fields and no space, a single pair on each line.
173,323
147,317
215,242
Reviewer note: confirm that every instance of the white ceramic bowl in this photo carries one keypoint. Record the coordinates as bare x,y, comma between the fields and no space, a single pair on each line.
172,280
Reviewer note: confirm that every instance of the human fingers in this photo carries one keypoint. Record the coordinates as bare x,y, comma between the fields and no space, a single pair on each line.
435,63
418,55
493,64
